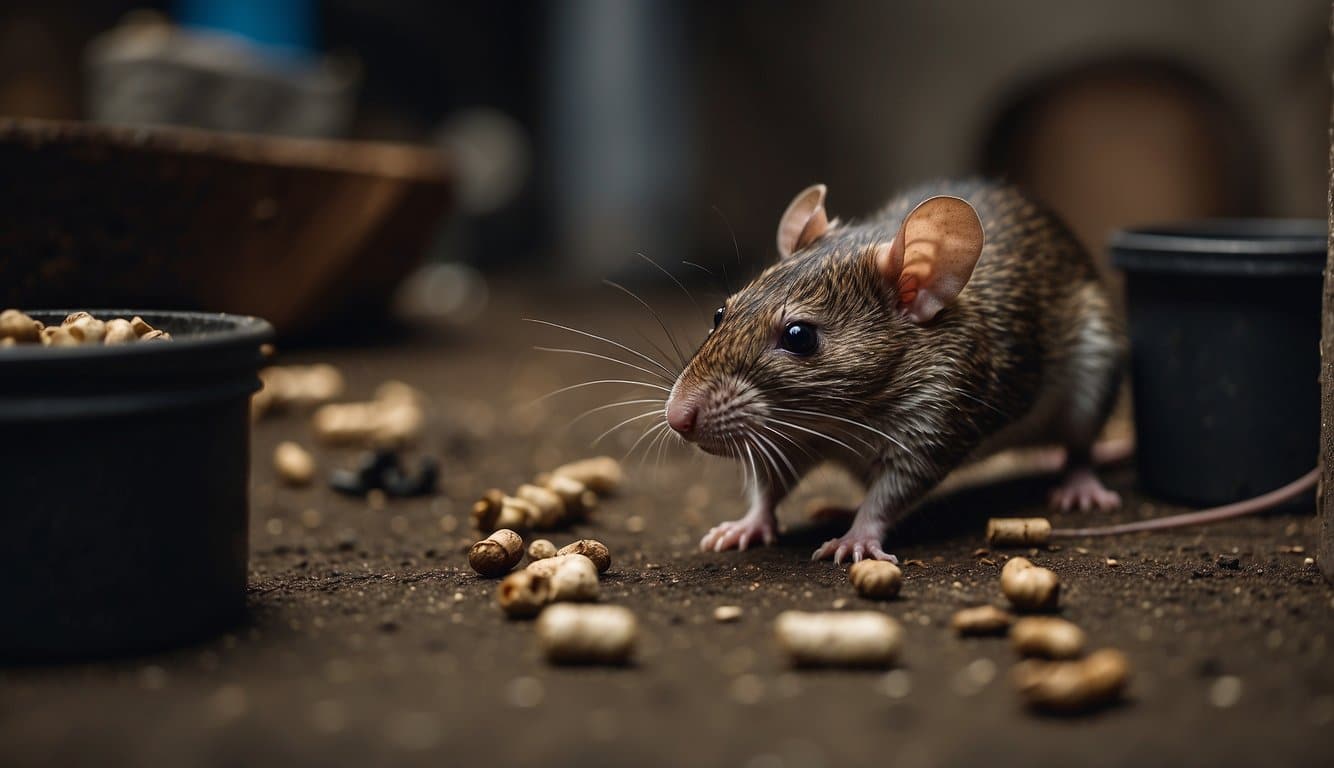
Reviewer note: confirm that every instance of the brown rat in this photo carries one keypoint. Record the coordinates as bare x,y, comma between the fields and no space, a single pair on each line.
960,319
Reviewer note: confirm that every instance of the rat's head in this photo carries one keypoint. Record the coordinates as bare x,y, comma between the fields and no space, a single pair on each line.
817,338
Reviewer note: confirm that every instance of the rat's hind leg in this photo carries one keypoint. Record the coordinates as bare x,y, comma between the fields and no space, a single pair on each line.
1080,488
1091,380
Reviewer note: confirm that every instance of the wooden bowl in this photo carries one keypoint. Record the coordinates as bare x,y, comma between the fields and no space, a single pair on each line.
302,232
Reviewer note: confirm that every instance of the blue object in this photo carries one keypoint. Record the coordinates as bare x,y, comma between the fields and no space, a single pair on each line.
283,24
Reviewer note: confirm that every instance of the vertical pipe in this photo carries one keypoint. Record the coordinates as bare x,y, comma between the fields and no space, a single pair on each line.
1324,504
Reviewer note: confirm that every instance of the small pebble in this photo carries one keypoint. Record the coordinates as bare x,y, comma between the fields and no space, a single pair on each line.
1225,691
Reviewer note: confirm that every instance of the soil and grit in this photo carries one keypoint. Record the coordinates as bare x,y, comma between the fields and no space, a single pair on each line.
370,642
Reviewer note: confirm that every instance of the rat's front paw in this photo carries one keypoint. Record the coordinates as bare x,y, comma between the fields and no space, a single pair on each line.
859,545
739,534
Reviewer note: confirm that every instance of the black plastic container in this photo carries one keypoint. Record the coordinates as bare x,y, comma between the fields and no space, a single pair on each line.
124,475
1225,331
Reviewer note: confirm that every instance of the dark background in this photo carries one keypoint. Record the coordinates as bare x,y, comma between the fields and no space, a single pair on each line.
653,126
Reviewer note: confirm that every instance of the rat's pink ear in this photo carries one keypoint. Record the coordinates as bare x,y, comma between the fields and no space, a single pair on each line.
804,221
932,256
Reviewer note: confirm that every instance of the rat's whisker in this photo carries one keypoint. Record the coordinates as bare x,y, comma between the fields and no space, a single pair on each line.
608,358
563,390
800,428
606,340
778,453
978,400
770,462
608,406
681,356
650,430
731,232
750,456
672,277
654,412
788,438
867,427
665,358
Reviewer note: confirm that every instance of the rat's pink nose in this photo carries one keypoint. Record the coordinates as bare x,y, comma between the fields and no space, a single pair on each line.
681,416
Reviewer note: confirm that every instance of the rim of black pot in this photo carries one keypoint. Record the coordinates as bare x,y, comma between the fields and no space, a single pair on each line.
1224,247
208,348
234,330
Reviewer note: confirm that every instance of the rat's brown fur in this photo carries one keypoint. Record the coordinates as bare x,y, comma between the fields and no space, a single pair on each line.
1030,351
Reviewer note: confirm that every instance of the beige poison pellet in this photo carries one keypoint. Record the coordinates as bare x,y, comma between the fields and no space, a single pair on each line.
1072,686
876,579
486,510
1028,587
394,418
592,549
574,577
839,638
601,474
541,549
524,593
294,464
119,331
497,554
296,385
578,499
58,336
1018,531
587,634
85,328
1048,637
981,620
18,326
725,614
550,506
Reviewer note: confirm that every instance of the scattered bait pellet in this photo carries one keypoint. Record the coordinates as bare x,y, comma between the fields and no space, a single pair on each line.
394,418
876,579
1048,637
550,506
574,577
497,554
1073,686
725,614
842,638
981,620
1028,587
523,594
1018,531
592,549
601,474
579,501
587,634
294,464
541,549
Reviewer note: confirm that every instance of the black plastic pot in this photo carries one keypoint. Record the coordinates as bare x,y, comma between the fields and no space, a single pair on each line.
124,474
1225,331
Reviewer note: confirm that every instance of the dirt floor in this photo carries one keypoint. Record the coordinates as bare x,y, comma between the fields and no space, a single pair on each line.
370,641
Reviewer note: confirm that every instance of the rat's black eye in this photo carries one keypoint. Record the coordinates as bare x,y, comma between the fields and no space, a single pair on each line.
718,316
799,339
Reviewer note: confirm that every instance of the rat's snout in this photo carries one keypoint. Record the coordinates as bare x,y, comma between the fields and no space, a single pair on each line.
681,415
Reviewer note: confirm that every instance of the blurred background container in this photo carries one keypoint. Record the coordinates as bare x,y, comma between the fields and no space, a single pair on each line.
588,130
